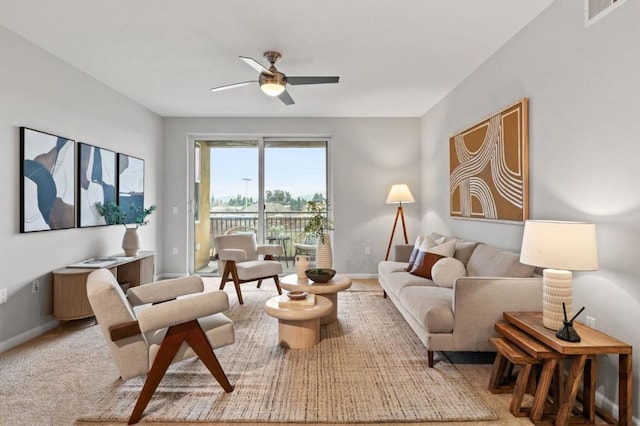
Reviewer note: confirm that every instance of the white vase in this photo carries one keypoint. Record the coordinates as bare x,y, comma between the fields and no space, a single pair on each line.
324,256
131,242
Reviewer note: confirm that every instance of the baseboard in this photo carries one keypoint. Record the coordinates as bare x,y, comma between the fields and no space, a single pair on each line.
28,335
362,276
610,406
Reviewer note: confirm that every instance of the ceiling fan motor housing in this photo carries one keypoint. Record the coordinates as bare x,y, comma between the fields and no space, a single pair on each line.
276,78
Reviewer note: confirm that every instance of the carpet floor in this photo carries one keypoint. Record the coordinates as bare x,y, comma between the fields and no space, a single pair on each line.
368,368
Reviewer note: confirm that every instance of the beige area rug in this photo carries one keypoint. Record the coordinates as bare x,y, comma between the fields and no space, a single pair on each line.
368,367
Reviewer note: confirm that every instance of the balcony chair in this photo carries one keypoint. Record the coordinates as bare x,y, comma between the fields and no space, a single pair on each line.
307,247
239,259
147,339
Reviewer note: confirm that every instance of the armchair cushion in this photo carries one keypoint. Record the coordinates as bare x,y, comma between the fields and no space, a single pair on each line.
162,291
272,249
258,268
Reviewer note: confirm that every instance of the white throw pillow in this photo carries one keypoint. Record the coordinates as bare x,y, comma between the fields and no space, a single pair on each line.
445,249
446,271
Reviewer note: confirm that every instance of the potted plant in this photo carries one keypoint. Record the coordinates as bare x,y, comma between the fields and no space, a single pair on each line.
114,215
319,226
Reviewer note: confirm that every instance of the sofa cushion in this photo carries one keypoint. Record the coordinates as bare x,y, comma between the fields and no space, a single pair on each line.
464,250
488,261
430,306
397,281
446,271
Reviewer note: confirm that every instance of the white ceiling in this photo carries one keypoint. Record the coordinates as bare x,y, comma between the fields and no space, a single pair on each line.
395,58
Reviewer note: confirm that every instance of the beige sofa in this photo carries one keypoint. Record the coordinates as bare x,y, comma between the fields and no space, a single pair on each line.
459,315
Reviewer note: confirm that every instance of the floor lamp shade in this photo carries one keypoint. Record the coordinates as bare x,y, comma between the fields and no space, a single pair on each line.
399,194
560,247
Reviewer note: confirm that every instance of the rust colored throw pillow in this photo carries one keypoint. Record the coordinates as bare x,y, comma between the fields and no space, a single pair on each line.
424,262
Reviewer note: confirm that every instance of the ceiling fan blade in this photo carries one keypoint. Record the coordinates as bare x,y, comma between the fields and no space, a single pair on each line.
256,65
286,98
311,80
233,86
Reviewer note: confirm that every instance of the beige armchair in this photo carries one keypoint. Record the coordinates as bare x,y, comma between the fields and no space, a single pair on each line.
239,259
164,327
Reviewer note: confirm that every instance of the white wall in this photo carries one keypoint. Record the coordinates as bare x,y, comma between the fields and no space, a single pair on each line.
369,155
44,93
584,145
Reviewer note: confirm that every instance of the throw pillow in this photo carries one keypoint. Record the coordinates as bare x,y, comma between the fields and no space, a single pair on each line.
445,249
446,271
464,250
424,263
414,252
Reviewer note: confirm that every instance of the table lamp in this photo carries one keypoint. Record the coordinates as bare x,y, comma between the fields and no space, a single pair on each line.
399,193
559,247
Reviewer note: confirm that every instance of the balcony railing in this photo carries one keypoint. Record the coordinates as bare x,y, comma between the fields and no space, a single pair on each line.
286,228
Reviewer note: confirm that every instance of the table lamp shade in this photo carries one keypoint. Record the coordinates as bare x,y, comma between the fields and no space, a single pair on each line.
559,247
400,193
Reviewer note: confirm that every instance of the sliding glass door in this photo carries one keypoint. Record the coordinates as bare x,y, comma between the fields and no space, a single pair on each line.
258,186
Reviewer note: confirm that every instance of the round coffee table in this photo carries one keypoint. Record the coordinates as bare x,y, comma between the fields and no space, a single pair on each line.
329,290
298,327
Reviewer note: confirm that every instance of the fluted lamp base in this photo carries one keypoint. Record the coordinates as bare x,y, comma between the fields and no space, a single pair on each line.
556,288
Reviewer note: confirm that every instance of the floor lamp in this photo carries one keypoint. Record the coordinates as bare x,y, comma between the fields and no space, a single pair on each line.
399,194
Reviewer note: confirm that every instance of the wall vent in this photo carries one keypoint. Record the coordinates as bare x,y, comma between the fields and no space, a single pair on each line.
597,9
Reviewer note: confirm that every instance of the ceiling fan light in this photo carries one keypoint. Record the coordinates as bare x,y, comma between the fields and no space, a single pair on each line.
272,89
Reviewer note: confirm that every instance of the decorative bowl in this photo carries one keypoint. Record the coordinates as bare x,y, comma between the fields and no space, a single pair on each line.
297,295
320,275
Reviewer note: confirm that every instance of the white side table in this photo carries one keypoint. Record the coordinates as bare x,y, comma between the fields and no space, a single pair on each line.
329,290
298,327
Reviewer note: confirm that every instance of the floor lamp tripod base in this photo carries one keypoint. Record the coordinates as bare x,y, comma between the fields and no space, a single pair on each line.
400,214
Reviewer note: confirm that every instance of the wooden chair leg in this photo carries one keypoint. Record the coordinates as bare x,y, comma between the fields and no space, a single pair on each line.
384,294
170,345
192,333
430,358
236,281
259,283
277,280
225,274
201,346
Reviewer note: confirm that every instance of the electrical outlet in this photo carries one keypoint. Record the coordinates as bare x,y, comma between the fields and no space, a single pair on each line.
174,209
367,251
35,286
174,250
3,295
590,322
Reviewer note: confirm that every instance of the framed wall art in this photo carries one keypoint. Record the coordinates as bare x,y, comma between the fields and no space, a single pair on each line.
130,185
96,183
47,193
489,170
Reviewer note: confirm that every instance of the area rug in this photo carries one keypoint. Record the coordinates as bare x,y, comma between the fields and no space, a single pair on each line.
368,368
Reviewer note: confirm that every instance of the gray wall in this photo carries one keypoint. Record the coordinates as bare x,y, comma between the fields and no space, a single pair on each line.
369,155
44,93
584,144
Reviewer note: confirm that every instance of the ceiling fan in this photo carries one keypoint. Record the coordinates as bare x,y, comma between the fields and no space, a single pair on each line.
273,82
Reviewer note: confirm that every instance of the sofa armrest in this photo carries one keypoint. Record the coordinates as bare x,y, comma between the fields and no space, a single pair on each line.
403,252
478,303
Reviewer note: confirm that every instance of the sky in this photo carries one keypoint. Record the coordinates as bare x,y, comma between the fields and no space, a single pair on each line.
301,171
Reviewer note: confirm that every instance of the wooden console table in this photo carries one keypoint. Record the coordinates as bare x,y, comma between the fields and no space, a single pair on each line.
70,284
593,342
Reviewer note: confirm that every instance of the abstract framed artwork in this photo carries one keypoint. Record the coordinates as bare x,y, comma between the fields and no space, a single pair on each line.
489,170
96,183
47,193
130,185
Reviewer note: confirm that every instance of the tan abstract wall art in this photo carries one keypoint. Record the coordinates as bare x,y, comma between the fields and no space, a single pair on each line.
488,163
